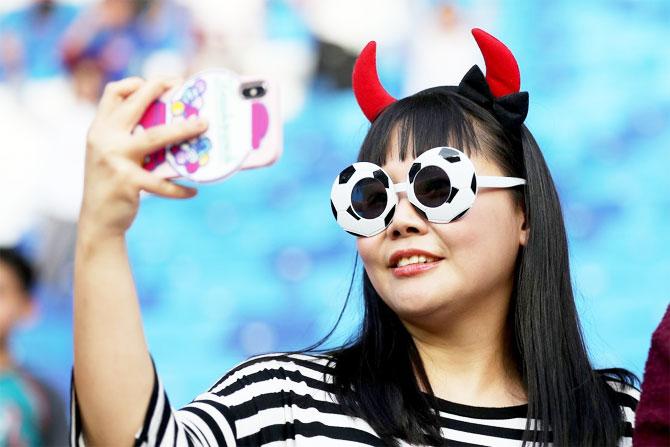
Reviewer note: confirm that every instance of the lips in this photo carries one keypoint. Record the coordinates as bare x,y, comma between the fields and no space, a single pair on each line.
414,269
408,253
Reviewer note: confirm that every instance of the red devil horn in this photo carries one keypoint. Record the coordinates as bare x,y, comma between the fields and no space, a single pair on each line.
370,94
502,71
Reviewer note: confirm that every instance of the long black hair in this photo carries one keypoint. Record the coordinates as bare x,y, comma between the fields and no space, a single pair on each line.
377,372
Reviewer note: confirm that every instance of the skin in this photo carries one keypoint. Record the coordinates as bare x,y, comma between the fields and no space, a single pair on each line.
15,306
112,368
456,312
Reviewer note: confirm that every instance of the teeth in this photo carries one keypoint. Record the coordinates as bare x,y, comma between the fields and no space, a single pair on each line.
414,260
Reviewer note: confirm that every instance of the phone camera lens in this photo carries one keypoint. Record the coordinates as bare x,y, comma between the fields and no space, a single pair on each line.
254,91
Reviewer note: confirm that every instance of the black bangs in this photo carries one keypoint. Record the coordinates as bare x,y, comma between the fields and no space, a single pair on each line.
430,118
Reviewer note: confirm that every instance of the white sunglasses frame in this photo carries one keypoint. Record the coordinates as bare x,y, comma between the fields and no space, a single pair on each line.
360,226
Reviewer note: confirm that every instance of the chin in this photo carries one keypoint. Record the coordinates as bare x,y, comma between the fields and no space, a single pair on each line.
416,304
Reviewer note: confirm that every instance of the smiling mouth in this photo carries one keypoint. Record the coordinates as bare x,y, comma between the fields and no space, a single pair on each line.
416,259
413,269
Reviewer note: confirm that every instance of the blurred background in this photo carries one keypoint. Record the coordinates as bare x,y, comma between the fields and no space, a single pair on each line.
257,263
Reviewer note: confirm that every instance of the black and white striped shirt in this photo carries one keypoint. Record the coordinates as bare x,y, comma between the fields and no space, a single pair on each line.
281,399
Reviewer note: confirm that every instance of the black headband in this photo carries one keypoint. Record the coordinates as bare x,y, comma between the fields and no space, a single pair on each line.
509,110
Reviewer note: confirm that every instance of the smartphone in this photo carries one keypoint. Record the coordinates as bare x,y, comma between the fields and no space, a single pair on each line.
245,128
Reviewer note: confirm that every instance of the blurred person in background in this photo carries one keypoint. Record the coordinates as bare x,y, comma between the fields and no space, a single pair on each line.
17,169
652,421
29,40
342,27
134,37
169,37
108,39
31,412
87,75
35,93
440,26
105,30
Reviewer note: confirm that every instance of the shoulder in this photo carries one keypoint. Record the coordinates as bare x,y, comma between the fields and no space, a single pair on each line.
626,393
627,396
276,367
624,384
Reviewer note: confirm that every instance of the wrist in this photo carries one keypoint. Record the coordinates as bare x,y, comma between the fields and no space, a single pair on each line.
91,237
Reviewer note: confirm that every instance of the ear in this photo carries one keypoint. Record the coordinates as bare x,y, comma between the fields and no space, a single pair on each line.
524,229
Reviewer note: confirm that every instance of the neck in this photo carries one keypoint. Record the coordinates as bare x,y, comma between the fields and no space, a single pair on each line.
467,357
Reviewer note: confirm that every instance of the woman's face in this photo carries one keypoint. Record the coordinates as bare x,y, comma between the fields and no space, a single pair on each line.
476,254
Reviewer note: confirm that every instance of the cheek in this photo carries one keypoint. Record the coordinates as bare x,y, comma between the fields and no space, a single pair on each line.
370,252
368,249
486,237
9,312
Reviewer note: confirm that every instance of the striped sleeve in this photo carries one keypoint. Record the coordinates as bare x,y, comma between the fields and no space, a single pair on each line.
271,399
627,397
206,421
287,399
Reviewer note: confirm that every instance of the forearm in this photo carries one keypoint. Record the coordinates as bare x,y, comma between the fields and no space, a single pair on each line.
113,374
113,371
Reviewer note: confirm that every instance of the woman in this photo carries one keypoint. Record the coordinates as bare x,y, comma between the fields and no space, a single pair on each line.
478,345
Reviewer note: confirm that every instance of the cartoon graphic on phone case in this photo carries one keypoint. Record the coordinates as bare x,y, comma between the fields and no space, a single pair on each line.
194,153
223,147
192,156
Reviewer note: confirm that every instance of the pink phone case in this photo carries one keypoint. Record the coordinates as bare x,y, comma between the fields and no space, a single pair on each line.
255,140
266,126
155,115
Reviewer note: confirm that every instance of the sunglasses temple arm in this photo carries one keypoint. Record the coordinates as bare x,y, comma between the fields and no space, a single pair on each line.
492,181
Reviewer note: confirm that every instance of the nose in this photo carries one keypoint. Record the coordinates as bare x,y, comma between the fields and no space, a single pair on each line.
407,220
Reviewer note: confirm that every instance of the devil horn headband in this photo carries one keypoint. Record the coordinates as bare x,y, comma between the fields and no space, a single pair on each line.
372,97
500,89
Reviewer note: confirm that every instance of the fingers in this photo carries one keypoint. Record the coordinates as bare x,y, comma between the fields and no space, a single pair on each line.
159,136
164,188
116,92
139,100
